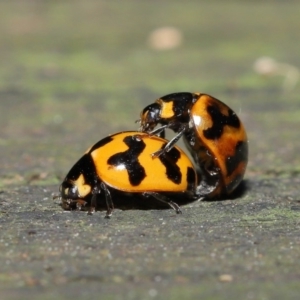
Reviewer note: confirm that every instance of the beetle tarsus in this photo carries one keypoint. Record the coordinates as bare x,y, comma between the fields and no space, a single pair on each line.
165,200
91,210
108,199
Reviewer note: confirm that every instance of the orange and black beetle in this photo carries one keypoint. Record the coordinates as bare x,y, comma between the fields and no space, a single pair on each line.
212,132
121,165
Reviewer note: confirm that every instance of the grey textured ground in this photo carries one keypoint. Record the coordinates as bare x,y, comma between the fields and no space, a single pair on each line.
71,74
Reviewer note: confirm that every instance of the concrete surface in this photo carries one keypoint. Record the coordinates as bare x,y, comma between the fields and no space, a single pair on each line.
70,74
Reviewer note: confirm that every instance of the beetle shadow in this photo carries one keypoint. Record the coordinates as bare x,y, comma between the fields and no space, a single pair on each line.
129,201
239,192
138,202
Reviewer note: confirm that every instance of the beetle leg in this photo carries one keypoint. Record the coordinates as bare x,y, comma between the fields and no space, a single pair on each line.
165,200
96,191
206,189
171,143
109,204
160,131
80,204
108,199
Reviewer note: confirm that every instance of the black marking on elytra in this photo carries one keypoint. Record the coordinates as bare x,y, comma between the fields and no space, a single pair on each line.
241,154
219,121
101,143
190,178
129,158
169,160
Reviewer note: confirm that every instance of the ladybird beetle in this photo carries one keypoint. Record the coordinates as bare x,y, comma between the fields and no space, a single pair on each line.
212,132
121,165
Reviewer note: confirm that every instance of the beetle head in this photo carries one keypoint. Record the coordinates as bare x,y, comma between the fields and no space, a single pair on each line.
150,116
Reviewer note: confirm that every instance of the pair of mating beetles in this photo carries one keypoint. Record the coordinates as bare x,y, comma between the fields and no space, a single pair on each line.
143,164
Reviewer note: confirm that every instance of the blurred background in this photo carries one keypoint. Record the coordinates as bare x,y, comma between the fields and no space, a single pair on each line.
72,72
